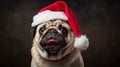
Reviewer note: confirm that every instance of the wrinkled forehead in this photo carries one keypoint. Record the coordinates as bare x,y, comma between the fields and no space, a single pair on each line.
54,23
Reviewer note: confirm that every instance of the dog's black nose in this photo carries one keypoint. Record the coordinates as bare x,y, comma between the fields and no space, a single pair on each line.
52,31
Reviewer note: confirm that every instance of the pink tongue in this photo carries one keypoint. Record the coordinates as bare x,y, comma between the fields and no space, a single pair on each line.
52,41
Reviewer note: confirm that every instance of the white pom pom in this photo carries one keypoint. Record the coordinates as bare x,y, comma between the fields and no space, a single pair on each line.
81,43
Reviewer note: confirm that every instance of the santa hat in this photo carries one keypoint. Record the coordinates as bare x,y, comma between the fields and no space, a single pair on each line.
60,10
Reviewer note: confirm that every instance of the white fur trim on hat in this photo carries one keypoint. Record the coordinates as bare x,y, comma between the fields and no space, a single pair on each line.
81,43
48,15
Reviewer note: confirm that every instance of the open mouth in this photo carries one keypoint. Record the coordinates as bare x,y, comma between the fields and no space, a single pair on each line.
53,46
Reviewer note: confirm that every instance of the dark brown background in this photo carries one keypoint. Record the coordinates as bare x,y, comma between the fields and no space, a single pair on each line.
99,19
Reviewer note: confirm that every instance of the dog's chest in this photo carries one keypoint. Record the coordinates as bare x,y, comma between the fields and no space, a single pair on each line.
57,64
40,62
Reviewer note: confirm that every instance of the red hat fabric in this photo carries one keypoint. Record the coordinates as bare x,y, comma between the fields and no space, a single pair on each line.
60,10
62,6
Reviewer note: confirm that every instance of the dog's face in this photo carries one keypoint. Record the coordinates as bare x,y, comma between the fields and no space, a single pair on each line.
53,39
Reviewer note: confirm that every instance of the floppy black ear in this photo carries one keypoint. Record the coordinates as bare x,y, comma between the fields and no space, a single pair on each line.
33,31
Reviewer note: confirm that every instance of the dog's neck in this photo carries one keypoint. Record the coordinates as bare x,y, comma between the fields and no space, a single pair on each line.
66,61
64,57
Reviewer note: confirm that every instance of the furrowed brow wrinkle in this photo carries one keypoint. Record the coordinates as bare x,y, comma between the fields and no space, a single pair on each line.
57,25
47,24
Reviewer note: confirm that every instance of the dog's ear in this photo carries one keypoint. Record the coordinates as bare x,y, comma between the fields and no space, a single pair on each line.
33,31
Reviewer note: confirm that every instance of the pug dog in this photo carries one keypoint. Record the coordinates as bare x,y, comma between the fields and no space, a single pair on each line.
53,45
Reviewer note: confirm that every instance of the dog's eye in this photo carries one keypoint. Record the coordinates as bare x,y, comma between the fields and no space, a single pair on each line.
64,30
42,29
